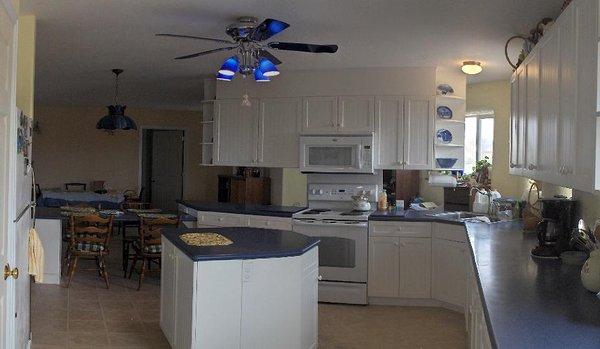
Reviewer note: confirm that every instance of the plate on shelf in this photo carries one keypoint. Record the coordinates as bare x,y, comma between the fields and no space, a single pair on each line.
445,89
444,112
444,136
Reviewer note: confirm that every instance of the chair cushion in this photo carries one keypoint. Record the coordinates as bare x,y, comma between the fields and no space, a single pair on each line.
88,247
148,248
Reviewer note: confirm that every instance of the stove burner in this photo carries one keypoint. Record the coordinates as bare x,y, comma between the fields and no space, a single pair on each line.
353,213
316,211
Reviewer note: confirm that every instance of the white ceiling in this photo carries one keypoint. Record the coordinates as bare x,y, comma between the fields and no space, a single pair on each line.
79,41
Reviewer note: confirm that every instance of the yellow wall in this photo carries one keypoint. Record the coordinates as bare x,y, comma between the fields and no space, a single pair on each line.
69,148
294,187
26,64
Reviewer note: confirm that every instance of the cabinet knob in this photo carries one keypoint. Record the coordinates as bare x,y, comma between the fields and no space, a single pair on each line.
396,244
319,277
220,219
403,244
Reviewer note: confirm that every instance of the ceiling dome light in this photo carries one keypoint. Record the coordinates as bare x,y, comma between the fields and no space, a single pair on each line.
471,67
116,118
222,77
267,68
259,76
230,66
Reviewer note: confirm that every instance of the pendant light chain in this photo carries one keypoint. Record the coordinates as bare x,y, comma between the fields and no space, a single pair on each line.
116,89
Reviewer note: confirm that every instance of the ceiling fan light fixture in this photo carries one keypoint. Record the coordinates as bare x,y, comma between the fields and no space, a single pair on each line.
222,77
267,68
230,66
259,76
471,67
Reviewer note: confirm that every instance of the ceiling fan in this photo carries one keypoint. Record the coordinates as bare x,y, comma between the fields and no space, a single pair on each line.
247,37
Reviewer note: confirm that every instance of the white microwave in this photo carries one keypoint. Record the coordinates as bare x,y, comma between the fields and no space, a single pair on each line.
336,154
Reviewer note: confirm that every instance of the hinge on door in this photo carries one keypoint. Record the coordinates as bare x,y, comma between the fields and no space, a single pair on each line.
15,315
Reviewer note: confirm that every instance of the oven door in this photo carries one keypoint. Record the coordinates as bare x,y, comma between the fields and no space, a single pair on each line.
335,155
342,250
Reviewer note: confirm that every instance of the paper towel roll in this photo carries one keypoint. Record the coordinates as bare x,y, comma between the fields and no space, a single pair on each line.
442,181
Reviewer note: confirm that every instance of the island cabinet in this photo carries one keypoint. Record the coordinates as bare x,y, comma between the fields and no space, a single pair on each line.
217,219
449,264
555,102
239,303
399,259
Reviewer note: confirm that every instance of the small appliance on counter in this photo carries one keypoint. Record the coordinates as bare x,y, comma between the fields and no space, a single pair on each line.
554,230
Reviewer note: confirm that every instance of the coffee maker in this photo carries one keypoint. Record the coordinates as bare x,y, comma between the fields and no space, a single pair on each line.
554,230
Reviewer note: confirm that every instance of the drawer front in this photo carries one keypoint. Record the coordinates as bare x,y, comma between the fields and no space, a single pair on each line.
400,229
450,232
220,219
270,222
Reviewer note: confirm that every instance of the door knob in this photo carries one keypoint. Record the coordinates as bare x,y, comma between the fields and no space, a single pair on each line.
10,272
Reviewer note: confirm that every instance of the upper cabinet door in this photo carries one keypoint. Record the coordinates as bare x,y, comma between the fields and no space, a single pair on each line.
356,114
390,130
532,70
278,132
548,117
319,115
418,142
522,123
514,126
236,133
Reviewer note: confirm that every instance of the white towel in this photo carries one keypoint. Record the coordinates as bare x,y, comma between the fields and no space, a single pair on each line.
36,256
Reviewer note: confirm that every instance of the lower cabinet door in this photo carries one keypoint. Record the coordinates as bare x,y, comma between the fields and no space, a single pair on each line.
449,272
415,268
384,266
184,300
167,291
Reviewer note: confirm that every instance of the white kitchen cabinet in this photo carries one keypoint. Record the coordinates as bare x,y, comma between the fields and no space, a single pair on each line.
532,72
418,131
167,294
449,272
218,219
515,125
384,266
267,222
399,260
404,132
479,337
236,133
319,115
278,132
548,110
356,114
415,268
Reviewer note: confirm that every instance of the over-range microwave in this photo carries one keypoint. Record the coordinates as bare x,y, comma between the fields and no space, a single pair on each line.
336,154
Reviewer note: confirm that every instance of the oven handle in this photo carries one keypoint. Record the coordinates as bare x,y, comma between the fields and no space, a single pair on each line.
304,223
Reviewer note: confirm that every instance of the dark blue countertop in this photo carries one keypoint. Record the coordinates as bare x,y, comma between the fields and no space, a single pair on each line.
248,243
54,213
227,207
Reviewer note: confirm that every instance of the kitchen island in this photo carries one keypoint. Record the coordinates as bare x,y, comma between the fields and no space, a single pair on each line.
251,288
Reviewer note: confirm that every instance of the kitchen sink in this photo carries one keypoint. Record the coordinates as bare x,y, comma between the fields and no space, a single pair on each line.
462,216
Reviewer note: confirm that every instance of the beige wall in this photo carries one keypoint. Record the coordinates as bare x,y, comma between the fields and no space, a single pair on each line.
70,148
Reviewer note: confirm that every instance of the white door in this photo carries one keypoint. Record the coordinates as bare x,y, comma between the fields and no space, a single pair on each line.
384,266
279,132
167,168
449,278
9,305
533,105
236,133
415,268
390,130
319,115
418,140
356,114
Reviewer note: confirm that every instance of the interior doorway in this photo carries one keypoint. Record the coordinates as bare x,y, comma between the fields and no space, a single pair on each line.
162,167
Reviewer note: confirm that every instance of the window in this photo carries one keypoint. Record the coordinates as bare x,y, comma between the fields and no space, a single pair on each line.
479,138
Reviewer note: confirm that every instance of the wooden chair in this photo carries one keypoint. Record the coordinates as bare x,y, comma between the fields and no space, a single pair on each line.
74,186
90,236
148,247
130,195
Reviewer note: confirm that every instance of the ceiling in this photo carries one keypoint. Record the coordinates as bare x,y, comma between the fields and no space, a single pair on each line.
79,41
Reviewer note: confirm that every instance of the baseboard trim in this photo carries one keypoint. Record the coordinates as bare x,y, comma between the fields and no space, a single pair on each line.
415,302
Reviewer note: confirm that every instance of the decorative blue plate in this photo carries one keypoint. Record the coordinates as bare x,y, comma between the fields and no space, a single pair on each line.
444,112
444,136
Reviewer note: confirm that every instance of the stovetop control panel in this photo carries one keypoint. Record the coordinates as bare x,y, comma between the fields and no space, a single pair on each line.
340,192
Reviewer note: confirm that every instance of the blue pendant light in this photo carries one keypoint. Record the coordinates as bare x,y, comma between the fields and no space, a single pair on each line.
222,77
268,68
259,76
116,118
230,66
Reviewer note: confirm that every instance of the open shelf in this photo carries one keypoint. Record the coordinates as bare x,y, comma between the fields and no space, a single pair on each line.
450,121
450,145
451,97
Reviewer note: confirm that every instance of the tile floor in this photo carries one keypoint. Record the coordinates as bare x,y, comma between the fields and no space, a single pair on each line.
87,315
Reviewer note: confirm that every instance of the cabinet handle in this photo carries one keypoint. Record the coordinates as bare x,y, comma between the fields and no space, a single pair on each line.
396,244
403,244
220,219
319,277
